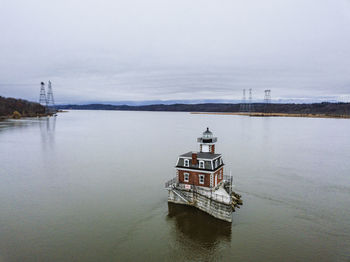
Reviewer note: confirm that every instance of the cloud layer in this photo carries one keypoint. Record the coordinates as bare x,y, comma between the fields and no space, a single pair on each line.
168,50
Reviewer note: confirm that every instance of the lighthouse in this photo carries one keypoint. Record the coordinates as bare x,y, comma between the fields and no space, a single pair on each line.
204,168
200,181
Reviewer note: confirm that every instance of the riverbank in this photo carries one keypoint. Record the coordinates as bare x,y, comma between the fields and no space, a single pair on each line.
260,114
2,118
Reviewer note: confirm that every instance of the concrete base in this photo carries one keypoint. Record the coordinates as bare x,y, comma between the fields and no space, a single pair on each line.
213,207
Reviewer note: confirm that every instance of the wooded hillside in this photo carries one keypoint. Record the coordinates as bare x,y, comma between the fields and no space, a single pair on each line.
9,105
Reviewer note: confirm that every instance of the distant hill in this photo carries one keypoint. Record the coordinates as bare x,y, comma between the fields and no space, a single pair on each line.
316,108
9,105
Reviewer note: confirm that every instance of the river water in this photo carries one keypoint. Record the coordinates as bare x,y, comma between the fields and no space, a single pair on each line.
89,186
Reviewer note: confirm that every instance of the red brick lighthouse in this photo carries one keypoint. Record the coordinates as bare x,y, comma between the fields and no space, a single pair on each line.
204,168
200,181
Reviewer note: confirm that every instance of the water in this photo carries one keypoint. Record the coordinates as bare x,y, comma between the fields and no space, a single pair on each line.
88,186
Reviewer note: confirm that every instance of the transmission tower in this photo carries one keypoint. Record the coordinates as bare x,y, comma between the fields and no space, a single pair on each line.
267,98
42,98
250,104
50,99
267,101
243,106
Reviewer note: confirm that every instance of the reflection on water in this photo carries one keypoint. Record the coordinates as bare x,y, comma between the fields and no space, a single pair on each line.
10,124
47,131
194,224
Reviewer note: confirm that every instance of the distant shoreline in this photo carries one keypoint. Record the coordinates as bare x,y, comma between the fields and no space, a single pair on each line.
316,110
260,114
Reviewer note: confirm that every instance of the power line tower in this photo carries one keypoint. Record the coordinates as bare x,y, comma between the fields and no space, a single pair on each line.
250,104
267,98
50,99
42,98
243,106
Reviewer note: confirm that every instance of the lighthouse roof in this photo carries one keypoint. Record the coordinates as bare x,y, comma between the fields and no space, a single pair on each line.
207,137
207,133
211,162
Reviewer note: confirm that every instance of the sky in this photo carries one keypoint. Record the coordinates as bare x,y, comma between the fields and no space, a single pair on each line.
159,50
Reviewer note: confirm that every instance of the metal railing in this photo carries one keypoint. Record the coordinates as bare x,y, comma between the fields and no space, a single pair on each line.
171,182
228,178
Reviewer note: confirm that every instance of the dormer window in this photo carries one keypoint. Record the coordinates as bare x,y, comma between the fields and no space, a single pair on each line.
201,164
216,163
186,163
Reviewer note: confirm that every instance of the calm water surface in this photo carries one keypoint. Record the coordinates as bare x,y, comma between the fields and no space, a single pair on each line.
88,186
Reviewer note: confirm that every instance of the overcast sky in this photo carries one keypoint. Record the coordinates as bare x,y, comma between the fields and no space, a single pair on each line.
113,50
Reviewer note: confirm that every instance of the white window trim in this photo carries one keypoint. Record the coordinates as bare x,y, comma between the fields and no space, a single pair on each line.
199,179
188,177
201,164
186,162
216,163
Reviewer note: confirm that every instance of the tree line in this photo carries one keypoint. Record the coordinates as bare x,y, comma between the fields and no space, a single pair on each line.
315,108
8,106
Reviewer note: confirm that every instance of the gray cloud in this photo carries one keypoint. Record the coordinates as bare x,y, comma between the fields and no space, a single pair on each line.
164,50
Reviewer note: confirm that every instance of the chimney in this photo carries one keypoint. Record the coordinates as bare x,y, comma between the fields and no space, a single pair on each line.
194,158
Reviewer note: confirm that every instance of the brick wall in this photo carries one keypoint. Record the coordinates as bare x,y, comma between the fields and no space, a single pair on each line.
194,178
220,174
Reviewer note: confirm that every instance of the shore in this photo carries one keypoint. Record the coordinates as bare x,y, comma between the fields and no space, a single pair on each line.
260,114
25,116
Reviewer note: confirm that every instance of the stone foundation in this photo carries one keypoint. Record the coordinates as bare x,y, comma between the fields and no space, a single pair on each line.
213,207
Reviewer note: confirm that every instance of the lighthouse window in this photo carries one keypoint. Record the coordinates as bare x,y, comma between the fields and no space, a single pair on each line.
187,162
186,177
201,164
201,179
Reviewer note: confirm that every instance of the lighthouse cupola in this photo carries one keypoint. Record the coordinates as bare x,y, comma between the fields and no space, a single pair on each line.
207,142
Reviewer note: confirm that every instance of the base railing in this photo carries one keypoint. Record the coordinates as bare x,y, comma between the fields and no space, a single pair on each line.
172,182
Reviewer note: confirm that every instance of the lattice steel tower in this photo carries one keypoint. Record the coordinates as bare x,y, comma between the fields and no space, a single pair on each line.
42,98
267,98
250,104
50,99
243,106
